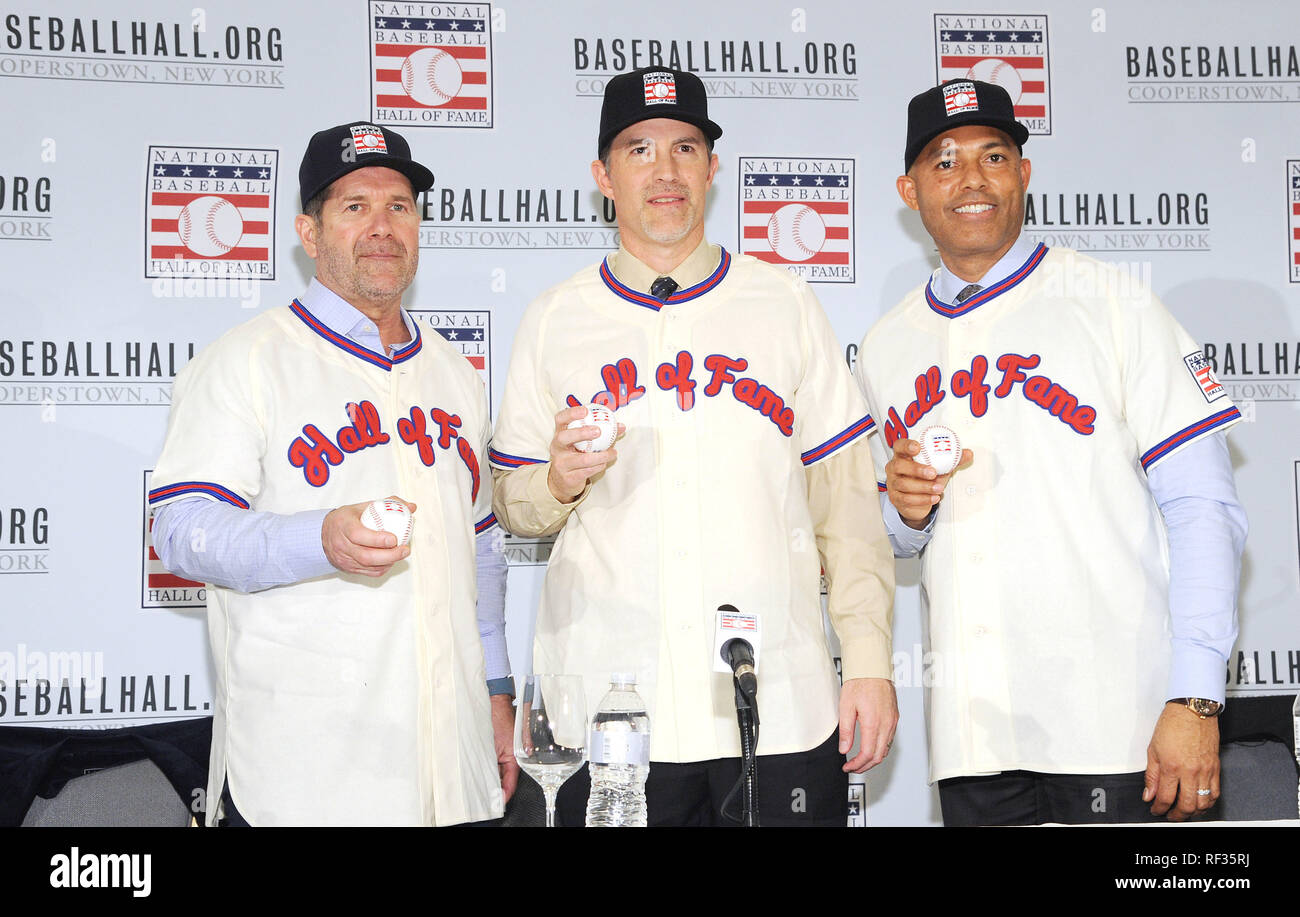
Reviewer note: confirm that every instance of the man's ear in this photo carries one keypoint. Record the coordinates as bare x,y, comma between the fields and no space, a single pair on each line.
907,191
601,175
306,228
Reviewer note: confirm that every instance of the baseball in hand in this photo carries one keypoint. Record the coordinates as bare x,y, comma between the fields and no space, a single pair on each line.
602,418
940,449
389,516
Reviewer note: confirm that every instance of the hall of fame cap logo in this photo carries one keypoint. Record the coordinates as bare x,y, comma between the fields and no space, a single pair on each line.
959,97
1293,218
660,88
468,330
210,212
366,138
431,64
1008,50
158,587
798,213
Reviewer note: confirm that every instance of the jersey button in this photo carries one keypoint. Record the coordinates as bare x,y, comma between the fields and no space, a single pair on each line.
977,558
981,630
970,490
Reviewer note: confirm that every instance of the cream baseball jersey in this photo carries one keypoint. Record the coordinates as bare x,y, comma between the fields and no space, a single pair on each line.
729,391
342,698
1047,575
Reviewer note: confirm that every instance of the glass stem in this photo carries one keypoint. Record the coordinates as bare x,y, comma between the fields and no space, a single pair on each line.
550,792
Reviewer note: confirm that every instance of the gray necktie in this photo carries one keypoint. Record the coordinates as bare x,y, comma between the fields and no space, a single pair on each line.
968,292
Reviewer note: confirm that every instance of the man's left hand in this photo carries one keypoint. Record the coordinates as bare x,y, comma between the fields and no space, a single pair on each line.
873,706
1183,757
503,733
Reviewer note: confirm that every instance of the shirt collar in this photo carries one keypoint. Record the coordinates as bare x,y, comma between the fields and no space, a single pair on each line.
946,285
631,271
343,318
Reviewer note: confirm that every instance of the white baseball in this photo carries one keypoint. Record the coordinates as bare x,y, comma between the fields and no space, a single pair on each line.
431,76
601,417
940,449
1000,73
210,226
389,516
796,232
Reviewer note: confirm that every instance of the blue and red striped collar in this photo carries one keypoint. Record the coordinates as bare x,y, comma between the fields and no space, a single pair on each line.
344,343
992,292
642,299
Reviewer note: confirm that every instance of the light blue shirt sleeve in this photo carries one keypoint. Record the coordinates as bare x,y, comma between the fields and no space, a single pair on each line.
491,566
905,540
1207,534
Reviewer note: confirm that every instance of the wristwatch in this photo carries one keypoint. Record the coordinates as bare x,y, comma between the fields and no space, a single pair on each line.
1199,705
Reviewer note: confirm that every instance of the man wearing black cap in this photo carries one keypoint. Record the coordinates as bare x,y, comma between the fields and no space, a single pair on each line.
1075,649
349,676
740,472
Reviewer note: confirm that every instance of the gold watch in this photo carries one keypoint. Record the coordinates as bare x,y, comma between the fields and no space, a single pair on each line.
1199,705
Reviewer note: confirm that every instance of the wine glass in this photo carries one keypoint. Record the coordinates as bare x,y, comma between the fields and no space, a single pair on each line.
551,732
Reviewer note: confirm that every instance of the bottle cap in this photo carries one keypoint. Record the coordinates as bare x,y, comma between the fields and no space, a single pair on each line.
623,678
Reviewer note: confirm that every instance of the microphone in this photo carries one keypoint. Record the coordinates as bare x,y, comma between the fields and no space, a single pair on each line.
738,654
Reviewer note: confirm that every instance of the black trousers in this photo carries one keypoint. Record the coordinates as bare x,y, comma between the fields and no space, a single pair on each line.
807,788
1031,798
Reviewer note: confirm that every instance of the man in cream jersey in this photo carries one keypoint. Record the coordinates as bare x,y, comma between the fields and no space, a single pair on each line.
1080,568
742,470
350,684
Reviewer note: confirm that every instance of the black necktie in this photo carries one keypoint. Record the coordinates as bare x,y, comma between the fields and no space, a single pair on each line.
662,288
968,292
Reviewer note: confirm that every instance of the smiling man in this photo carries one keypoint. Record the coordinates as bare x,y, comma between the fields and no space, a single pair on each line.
741,472
1080,566
350,683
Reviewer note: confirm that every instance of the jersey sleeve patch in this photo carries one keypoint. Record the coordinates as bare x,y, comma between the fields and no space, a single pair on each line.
1203,373
1187,435
839,440
196,489
506,460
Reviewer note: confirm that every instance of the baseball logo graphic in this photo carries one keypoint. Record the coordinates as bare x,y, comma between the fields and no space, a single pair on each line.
796,232
601,417
210,226
940,449
431,77
389,516
1000,73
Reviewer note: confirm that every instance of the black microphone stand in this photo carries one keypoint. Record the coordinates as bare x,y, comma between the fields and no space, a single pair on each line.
747,719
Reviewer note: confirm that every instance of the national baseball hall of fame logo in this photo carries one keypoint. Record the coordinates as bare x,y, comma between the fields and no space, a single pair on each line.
1293,216
469,331
210,212
431,64
158,587
798,213
1009,50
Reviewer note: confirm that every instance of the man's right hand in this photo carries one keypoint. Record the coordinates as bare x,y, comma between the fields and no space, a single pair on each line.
914,488
570,469
353,548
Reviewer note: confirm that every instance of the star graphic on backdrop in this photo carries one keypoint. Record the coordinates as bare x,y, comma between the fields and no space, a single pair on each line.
819,180
843,181
947,36
239,173
749,179
429,25
478,27
455,25
382,23
478,335
1015,36
1037,36
970,37
212,173
263,173
451,335
185,171
406,23
772,180
796,181
161,171
993,36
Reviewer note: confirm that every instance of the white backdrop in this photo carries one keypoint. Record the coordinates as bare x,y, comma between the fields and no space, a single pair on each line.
1163,137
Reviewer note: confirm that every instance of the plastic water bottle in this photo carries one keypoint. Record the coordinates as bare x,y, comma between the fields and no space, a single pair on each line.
619,753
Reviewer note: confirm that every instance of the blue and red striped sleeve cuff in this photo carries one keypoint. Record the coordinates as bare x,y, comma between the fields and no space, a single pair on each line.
485,523
506,460
839,440
196,489
1188,434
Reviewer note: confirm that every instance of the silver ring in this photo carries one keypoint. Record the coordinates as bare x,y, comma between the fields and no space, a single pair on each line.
1203,792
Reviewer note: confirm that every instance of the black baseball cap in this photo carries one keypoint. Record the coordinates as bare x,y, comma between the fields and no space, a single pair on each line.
654,92
954,104
336,151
